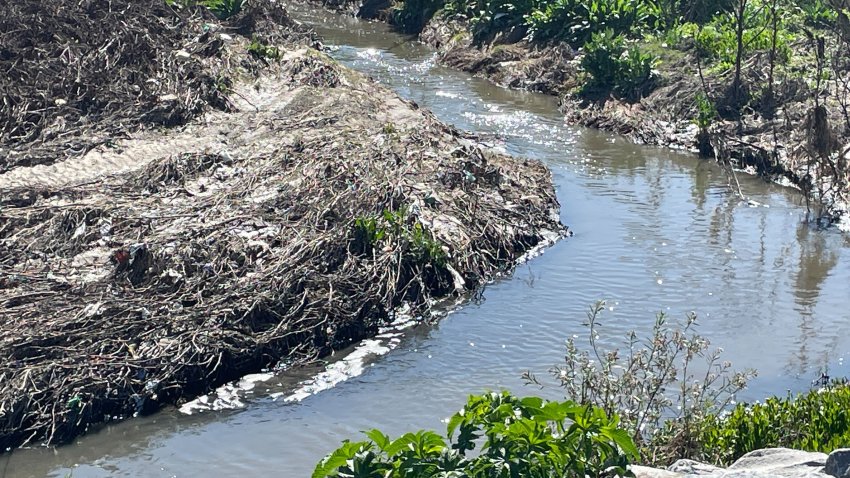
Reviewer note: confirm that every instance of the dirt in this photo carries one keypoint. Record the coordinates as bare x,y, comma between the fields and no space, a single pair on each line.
166,261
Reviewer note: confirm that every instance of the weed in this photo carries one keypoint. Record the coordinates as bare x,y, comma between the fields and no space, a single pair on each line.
816,421
613,66
223,9
393,225
260,50
522,437
706,112
653,381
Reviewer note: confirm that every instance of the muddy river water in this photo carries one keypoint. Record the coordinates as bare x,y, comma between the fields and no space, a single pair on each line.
655,230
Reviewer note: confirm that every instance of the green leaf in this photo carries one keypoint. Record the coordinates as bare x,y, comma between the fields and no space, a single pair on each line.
330,465
454,422
622,439
378,438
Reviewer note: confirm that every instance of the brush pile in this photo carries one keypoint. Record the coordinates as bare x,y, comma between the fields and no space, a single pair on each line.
77,73
287,227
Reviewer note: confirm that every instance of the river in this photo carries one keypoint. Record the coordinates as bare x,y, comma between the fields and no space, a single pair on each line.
655,230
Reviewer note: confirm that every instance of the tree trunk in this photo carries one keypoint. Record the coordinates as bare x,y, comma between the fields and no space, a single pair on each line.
740,13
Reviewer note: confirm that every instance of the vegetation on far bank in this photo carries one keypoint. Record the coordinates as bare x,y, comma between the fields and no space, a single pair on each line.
661,399
725,34
765,83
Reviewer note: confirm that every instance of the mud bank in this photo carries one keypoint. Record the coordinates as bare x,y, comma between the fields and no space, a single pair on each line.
159,264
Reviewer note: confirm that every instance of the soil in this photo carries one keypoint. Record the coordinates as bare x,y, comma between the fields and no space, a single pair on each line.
283,221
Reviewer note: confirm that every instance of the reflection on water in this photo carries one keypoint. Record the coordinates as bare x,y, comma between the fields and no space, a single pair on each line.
818,257
655,231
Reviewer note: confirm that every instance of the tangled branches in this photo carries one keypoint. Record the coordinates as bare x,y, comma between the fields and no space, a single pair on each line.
154,285
77,74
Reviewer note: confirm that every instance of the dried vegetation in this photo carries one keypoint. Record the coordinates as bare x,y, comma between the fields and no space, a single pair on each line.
275,232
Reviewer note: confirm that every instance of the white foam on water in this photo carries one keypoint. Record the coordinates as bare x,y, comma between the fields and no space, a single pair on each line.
351,366
844,224
232,395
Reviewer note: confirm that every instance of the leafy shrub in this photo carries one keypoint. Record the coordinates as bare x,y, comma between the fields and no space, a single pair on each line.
652,381
817,13
576,21
613,66
523,437
488,17
717,39
816,421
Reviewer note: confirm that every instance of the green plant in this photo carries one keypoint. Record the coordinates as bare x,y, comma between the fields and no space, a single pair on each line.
817,13
367,233
523,437
706,112
493,16
261,50
652,381
411,15
613,66
393,225
576,21
717,40
423,244
815,421
463,8
223,9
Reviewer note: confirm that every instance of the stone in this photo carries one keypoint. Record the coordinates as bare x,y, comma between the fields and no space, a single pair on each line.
838,463
779,462
648,472
691,467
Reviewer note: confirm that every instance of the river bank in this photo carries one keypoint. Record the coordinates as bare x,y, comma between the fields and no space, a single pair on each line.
799,138
288,223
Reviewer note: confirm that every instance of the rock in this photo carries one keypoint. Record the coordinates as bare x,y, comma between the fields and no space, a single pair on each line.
838,463
691,467
767,463
648,472
778,462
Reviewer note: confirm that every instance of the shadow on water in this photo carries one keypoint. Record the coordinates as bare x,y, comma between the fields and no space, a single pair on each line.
656,230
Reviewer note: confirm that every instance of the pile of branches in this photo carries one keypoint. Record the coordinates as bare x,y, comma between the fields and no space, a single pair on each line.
76,74
153,287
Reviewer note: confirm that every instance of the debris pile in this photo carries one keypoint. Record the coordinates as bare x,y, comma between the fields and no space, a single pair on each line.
151,269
